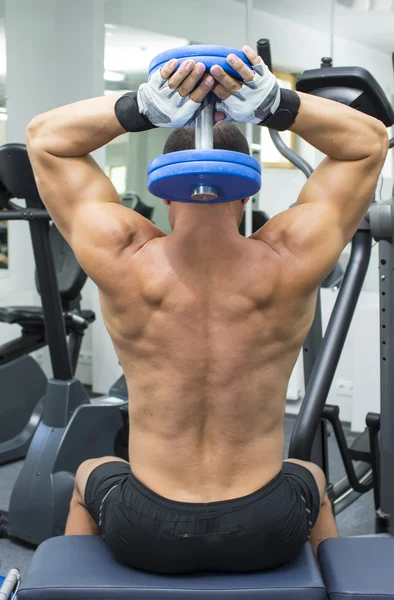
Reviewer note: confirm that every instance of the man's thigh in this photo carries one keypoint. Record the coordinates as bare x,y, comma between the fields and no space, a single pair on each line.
86,469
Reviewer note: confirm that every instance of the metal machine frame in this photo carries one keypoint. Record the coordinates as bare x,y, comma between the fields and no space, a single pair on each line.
72,428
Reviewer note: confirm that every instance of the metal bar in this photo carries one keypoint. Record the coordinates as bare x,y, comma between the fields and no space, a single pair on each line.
313,341
264,51
350,496
331,348
382,227
29,214
288,153
333,417
310,351
25,344
10,584
332,28
74,348
204,141
375,452
249,126
319,454
342,487
50,298
386,265
204,125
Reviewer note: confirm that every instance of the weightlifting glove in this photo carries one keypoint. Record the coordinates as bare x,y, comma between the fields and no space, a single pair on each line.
162,106
261,102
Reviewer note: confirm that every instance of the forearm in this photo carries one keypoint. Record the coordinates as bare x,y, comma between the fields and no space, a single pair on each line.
76,129
340,132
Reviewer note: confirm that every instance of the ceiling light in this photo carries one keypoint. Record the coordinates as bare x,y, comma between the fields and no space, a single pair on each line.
368,5
362,4
382,5
114,76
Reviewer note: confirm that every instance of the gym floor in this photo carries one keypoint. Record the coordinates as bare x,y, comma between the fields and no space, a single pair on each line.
358,519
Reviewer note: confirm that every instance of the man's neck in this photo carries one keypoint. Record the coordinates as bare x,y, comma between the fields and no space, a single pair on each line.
212,222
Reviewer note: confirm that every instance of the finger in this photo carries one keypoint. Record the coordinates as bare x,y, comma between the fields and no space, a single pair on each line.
228,82
184,70
218,116
251,55
169,68
221,91
242,69
203,89
191,81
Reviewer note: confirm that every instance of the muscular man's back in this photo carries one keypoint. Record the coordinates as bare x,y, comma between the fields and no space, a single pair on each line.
207,326
207,332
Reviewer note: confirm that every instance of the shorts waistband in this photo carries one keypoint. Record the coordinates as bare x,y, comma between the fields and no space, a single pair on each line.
204,507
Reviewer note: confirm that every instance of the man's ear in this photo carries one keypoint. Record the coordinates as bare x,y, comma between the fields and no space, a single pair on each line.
245,200
167,202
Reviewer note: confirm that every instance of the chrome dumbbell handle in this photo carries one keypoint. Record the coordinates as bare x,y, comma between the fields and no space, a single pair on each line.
204,141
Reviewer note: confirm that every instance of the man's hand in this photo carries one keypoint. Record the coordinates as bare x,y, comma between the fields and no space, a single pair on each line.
170,99
252,101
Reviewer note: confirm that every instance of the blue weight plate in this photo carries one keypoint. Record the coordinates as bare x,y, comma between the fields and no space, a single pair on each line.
184,156
209,55
176,181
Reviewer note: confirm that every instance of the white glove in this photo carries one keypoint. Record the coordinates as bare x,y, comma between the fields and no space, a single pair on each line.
162,106
255,101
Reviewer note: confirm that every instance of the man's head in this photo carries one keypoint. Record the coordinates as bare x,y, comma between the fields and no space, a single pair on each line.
226,136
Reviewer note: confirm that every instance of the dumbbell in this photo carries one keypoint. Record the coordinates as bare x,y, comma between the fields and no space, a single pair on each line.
203,175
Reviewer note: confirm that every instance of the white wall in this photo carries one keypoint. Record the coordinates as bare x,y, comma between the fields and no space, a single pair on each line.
55,55
294,47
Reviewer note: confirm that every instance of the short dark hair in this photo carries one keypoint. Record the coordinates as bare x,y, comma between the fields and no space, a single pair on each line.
226,136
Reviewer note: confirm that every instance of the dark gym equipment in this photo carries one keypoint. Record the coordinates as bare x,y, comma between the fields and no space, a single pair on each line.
259,218
359,568
353,86
133,201
362,476
314,414
83,567
23,382
72,428
203,175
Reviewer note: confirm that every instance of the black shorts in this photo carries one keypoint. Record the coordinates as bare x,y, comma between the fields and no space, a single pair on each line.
256,532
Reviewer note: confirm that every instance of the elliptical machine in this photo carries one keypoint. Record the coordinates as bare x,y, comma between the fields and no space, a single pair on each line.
357,88
23,383
72,428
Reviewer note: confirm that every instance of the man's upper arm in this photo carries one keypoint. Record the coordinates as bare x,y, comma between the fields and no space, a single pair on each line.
86,209
331,205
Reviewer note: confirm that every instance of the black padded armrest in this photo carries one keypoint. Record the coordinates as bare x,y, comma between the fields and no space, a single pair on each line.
359,568
82,567
354,78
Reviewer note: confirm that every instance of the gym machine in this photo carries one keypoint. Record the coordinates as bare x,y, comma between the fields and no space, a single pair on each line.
72,427
357,88
22,381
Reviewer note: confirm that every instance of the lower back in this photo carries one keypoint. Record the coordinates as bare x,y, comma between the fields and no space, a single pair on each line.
207,379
